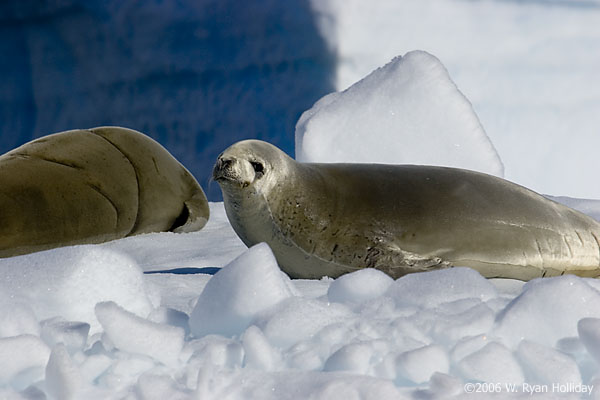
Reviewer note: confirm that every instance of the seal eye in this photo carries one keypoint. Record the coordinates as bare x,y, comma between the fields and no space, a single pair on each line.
259,169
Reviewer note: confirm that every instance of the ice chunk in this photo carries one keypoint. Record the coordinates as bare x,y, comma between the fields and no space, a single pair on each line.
93,365
354,357
407,112
359,286
154,387
215,351
259,354
70,281
63,379
169,316
420,364
449,327
133,334
125,371
589,333
22,360
467,346
494,363
445,385
17,319
232,298
430,289
548,310
547,366
72,334
298,319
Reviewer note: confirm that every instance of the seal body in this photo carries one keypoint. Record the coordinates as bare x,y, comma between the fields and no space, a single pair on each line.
330,219
91,186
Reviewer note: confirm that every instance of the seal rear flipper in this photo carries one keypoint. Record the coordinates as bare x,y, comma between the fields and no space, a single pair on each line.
194,215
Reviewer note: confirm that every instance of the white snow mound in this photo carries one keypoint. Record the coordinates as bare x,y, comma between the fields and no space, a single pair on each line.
248,285
70,281
411,113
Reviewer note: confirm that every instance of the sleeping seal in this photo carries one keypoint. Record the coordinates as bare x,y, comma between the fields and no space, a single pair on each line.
330,219
91,186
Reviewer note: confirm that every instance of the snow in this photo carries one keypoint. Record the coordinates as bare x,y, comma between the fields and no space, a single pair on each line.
412,113
250,332
71,281
129,333
545,365
359,287
252,283
526,317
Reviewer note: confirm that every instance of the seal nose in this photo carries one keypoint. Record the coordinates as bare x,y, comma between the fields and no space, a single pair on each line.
223,164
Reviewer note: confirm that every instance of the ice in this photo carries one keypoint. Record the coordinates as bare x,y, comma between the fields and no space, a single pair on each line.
420,364
22,360
248,285
359,286
545,365
589,333
164,251
154,386
452,325
133,334
258,352
362,335
430,289
297,319
493,363
73,335
412,113
63,379
169,316
17,319
70,281
355,358
567,299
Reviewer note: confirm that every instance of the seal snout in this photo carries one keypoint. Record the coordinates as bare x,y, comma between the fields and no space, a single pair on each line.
233,169
221,168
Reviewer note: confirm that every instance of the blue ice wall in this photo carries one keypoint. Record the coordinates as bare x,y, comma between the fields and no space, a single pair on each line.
195,75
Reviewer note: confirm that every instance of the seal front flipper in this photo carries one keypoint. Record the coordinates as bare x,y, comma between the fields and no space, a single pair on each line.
397,262
194,215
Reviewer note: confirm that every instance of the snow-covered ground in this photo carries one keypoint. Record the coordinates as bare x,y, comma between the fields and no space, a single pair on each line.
85,322
143,318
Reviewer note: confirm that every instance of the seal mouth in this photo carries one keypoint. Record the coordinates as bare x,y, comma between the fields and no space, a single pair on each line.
222,171
227,170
